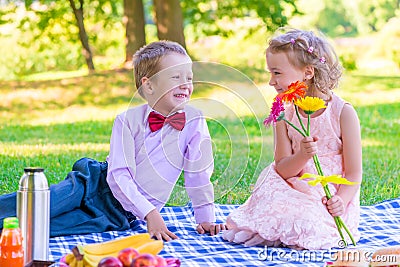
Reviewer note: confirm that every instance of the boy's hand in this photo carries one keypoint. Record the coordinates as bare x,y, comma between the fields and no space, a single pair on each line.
157,228
212,228
335,205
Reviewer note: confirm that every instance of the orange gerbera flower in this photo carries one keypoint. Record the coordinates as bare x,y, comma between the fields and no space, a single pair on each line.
295,90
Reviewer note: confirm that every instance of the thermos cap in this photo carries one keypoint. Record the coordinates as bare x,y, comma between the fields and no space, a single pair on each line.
33,179
33,169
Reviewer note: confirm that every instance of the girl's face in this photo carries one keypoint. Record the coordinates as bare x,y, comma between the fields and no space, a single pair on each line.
172,86
283,73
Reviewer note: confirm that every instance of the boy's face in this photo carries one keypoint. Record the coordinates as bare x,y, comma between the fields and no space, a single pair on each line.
172,86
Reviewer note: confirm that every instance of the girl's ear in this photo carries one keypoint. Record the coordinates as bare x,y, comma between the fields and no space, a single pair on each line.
146,86
309,72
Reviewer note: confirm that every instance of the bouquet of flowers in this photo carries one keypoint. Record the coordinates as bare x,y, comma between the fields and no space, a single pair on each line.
296,95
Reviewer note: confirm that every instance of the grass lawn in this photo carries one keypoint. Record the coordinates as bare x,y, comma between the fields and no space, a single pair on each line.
52,123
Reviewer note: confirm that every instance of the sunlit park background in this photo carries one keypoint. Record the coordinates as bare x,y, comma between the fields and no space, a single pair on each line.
60,92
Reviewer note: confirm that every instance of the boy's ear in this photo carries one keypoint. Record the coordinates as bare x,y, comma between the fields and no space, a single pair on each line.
309,72
146,86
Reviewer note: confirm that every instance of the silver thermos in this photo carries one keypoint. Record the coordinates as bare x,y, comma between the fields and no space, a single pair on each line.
33,212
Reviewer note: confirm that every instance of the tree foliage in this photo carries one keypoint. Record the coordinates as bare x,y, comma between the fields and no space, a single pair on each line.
375,14
333,20
49,36
341,17
204,14
53,30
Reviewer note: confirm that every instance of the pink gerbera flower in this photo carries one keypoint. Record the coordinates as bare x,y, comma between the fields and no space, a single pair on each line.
277,112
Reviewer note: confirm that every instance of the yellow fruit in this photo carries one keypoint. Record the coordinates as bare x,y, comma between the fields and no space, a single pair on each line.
154,247
69,258
73,263
90,260
94,253
109,247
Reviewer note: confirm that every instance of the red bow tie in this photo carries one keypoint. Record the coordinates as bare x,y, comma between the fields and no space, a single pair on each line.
156,121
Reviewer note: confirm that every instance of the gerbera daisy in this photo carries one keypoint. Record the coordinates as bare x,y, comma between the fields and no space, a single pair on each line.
295,90
310,104
277,112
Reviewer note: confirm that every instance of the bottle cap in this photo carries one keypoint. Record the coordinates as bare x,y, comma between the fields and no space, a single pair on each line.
33,179
11,223
33,169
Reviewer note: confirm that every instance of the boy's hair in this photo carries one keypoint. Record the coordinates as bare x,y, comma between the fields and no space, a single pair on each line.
304,48
146,60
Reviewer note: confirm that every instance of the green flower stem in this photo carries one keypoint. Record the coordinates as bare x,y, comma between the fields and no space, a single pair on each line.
338,220
339,224
301,122
348,232
295,127
318,166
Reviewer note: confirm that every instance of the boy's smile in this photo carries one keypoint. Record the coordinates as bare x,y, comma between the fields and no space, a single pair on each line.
181,95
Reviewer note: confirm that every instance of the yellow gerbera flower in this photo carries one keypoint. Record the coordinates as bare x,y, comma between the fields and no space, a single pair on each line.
324,180
310,104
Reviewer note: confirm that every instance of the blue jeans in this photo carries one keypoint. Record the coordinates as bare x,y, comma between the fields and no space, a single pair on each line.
82,203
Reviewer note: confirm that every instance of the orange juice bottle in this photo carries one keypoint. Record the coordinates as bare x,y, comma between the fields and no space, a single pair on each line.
11,250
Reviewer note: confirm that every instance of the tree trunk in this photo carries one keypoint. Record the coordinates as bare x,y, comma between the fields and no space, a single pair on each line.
169,21
135,35
87,53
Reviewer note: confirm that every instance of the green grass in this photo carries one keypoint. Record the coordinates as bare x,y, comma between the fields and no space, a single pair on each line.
53,123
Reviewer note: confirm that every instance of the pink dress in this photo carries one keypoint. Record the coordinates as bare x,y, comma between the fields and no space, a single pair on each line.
291,212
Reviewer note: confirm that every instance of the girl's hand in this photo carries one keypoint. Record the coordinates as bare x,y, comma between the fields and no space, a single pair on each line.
157,228
335,205
308,146
212,228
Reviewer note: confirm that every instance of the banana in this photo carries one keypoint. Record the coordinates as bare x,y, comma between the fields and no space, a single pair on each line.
116,245
69,258
79,263
73,263
153,247
91,254
93,260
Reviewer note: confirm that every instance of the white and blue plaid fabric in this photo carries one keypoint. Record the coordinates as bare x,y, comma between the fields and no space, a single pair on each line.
379,227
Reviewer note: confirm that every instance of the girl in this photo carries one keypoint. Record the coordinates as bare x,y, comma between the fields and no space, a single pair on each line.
282,209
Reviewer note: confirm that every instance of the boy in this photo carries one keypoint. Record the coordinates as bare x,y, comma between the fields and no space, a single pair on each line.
145,160
147,154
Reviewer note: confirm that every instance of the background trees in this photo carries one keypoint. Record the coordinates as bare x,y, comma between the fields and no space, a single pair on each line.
46,35
134,22
91,17
87,52
169,20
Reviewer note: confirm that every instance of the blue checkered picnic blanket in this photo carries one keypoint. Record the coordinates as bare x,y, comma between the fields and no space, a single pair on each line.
379,227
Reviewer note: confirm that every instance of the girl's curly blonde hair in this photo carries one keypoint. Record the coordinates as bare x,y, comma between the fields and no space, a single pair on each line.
304,48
